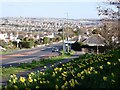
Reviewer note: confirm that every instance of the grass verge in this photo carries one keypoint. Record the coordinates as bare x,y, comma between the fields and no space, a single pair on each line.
6,72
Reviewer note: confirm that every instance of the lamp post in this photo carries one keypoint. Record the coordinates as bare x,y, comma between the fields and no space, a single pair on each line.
118,23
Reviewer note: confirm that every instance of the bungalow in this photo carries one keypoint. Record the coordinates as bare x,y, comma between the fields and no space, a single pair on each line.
94,44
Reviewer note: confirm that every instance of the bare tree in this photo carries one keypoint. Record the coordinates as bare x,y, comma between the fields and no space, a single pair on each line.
111,22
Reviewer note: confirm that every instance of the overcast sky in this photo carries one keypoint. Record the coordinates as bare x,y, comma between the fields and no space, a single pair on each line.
54,8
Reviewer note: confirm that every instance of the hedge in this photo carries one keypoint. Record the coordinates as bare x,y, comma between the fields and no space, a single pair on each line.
26,44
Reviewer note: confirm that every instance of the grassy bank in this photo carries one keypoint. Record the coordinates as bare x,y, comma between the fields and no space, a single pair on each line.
89,71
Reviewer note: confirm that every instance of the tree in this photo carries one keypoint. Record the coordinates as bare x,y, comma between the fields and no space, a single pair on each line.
111,22
46,40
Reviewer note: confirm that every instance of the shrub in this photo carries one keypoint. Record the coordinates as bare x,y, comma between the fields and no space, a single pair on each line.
46,40
14,43
27,44
76,46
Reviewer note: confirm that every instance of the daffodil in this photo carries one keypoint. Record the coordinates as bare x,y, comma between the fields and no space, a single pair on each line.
45,67
14,75
112,74
76,82
72,83
11,76
48,81
60,69
66,83
91,68
101,67
52,65
9,80
56,87
55,69
60,76
56,72
16,87
78,75
119,60
79,66
64,75
22,79
113,81
43,73
37,87
89,72
43,79
35,80
82,72
30,79
53,75
40,82
32,73
108,63
62,87
14,81
64,78
44,82
82,77
96,72
57,79
104,78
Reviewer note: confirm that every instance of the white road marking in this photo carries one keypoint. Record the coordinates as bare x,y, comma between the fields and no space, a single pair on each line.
42,49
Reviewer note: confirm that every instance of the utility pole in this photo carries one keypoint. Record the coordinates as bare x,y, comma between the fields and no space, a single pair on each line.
63,40
67,34
67,26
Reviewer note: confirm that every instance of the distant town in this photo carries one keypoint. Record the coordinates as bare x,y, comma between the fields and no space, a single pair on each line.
11,25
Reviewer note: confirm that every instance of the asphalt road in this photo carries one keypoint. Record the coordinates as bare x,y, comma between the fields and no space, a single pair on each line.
24,56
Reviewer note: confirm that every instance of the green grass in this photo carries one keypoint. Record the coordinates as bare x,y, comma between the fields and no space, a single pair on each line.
8,51
3,52
34,64
11,70
43,62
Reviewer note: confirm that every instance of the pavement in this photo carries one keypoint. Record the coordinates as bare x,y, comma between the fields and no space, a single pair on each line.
49,66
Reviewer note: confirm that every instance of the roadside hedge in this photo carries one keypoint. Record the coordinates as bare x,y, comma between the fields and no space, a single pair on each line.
76,46
26,44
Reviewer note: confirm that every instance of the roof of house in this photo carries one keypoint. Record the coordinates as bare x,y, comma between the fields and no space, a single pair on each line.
95,40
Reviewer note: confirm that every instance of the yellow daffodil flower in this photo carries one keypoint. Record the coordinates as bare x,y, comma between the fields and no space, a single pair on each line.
108,63
22,79
104,78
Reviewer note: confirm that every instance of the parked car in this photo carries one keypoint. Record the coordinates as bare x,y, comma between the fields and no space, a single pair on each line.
55,49
2,49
